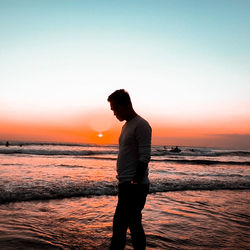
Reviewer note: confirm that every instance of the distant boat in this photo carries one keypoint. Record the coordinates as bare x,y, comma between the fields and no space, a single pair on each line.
175,150
166,151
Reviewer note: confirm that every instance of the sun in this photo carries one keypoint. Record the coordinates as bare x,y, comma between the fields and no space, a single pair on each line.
100,135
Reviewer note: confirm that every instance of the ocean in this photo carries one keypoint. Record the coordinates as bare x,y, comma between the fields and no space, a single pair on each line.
63,196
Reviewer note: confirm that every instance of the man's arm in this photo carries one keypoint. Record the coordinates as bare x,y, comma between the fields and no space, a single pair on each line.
143,138
140,172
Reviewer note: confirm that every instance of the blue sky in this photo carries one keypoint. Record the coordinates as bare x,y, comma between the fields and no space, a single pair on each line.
177,59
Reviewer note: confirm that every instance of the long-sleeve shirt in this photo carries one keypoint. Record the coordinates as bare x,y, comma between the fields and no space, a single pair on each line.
134,146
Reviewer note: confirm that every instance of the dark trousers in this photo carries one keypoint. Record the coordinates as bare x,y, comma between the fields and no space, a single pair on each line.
131,201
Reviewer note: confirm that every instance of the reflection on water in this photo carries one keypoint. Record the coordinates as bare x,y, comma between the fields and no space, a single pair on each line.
35,178
26,177
199,219
173,220
77,222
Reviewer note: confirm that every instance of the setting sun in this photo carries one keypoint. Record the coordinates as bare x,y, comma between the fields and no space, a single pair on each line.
100,135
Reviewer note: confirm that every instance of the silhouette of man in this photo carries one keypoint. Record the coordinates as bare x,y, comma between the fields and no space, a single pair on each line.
132,172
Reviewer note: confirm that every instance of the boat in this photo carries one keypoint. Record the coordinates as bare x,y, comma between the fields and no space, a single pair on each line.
175,150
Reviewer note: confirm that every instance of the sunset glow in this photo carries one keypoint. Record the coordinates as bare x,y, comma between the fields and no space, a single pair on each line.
100,135
184,63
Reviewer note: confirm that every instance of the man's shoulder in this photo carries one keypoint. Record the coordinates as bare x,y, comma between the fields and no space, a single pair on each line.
142,122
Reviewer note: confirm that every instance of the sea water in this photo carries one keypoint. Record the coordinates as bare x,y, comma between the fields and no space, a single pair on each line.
57,196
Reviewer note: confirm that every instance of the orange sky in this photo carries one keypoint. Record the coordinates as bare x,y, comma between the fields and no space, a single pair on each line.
233,133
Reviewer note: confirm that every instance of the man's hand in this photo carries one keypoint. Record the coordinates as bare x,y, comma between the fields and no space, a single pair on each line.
133,182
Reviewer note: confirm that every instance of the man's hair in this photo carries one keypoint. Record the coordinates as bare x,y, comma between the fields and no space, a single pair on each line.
120,97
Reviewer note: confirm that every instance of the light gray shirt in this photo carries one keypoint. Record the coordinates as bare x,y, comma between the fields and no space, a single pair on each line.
134,146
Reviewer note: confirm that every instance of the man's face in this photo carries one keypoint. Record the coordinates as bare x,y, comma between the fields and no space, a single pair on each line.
118,110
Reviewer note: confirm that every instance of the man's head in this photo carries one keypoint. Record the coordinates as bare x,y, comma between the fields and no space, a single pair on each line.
120,104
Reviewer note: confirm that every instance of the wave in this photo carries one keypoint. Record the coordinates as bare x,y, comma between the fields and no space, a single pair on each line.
183,161
69,190
25,143
55,152
199,152
58,190
100,155
233,153
204,162
74,149
171,185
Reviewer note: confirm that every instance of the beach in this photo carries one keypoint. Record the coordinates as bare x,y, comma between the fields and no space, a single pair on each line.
63,196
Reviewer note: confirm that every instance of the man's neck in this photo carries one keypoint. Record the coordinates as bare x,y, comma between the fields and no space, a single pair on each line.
131,115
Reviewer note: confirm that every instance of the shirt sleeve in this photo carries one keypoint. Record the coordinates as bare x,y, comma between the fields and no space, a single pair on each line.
143,138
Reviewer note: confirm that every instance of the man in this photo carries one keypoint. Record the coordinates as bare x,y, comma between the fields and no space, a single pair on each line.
132,172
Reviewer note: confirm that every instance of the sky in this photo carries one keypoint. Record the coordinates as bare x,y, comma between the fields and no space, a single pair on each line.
185,64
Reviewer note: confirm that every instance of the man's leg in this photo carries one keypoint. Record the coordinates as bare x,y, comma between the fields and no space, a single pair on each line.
138,199
120,221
